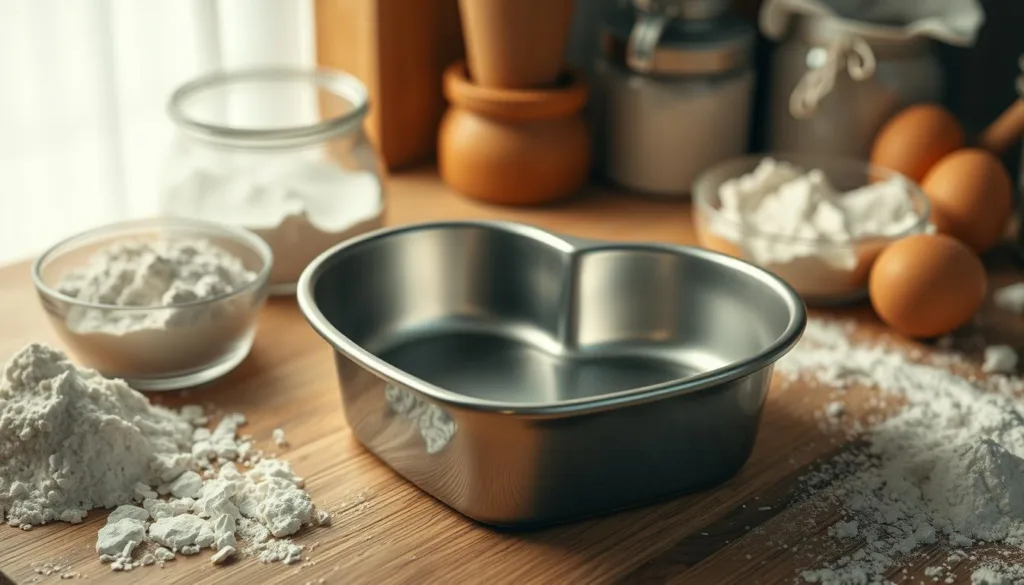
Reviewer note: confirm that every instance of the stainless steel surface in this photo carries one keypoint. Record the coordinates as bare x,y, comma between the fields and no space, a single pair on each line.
643,40
526,378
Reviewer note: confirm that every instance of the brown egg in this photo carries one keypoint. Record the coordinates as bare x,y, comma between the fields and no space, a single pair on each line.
971,195
915,139
927,285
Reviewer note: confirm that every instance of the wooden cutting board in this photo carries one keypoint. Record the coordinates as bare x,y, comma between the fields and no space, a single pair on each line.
387,531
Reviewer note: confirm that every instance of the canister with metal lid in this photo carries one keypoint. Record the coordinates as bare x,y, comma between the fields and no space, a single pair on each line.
835,82
673,88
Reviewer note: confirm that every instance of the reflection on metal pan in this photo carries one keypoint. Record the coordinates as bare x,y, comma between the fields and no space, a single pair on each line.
548,377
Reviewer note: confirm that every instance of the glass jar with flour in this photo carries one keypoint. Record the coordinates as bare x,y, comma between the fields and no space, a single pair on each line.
281,152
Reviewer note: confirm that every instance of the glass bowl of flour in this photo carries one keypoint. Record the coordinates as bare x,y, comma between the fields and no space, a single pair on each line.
162,303
819,222
281,152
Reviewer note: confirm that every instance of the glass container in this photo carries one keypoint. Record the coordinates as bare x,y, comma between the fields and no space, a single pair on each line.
169,347
824,272
281,152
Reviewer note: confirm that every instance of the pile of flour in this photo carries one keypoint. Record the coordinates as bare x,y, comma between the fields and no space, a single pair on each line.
300,205
946,468
165,277
784,218
72,440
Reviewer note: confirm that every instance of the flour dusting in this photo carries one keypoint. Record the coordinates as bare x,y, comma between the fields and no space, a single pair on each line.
947,468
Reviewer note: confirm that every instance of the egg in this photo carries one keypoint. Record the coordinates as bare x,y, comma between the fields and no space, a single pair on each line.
915,139
971,195
927,285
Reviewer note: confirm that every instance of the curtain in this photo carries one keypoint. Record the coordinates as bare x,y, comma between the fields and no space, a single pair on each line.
83,124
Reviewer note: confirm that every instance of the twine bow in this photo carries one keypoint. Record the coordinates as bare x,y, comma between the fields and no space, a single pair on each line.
817,83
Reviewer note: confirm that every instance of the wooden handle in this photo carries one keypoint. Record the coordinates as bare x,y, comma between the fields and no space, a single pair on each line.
1007,128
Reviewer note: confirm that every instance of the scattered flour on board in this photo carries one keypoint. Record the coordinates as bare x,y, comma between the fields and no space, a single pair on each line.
72,440
1000,359
1010,298
278,437
946,468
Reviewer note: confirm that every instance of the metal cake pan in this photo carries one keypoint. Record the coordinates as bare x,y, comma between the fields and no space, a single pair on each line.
526,378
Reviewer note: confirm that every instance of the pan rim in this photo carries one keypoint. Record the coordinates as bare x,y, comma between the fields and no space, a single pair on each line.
705,381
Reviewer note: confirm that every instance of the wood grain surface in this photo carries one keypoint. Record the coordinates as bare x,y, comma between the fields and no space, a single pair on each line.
748,530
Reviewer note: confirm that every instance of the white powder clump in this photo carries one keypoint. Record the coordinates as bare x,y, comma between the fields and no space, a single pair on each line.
72,441
780,215
278,437
947,467
177,532
187,485
121,535
222,555
168,277
300,205
835,409
995,573
1010,298
1000,359
844,530
127,511
160,273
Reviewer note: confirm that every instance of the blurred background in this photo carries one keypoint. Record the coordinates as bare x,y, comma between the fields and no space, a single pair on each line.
83,128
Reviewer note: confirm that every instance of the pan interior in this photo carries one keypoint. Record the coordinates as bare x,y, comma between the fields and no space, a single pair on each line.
507,317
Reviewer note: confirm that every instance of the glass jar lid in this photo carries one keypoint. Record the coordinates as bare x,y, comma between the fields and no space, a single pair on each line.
270,107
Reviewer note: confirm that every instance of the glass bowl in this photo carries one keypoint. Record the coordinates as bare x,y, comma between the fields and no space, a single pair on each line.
174,346
824,272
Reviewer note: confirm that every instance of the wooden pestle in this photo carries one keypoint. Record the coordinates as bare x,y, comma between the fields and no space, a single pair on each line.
1009,126
1005,130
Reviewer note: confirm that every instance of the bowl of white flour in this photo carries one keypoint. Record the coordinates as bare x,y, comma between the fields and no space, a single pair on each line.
819,222
162,303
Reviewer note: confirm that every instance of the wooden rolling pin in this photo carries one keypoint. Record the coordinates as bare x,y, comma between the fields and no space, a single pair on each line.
1009,126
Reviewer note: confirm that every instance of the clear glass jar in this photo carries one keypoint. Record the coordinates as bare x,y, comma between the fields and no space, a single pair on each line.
281,152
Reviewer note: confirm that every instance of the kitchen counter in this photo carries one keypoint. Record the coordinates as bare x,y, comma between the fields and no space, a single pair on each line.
387,531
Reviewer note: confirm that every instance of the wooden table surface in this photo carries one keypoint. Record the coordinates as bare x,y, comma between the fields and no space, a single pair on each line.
386,531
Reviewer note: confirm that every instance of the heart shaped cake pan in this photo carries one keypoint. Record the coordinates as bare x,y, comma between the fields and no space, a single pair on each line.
525,378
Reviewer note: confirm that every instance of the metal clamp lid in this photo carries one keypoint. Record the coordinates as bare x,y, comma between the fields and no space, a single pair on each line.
658,45
684,9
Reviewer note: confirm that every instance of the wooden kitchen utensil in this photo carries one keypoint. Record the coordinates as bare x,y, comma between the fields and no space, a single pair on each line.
513,146
1005,130
515,44
398,49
